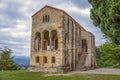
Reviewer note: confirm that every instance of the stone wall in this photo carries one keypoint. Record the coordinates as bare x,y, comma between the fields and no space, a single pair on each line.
73,34
45,69
55,23
72,53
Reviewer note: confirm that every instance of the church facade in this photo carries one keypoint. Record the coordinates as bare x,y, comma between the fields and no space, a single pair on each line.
59,43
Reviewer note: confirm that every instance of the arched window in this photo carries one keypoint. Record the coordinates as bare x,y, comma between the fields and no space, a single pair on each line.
37,59
46,18
44,59
84,45
53,59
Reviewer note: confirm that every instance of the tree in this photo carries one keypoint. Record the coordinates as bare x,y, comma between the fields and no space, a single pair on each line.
106,15
6,60
108,55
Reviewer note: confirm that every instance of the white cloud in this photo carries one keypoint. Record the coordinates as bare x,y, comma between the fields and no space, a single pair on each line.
2,17
2,5
71,8
21,33
21,26
13,42
84,12
5,30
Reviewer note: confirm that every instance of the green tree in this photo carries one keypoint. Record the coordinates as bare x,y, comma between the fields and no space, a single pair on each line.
6,60
108,55
106,15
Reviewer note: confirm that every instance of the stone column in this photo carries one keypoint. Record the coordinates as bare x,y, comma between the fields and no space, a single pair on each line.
50,37
74,46
70,46
78,42
41,41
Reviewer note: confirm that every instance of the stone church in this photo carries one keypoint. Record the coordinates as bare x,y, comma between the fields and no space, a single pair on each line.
59,43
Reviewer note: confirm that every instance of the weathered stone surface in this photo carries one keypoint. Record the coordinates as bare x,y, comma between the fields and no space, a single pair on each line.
59,43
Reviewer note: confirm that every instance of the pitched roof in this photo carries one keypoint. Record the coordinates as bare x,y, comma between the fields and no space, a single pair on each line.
46,6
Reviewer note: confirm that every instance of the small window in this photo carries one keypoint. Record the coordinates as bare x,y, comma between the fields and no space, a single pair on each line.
46,18
37,59
53,59
45,59
43,19
84,45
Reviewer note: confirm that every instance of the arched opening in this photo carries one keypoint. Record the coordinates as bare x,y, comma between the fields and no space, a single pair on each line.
84,45
37,59
44,59
37,41
54,40
46,41
53,59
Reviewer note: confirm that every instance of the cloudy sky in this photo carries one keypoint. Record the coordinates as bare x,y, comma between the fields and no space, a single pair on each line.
15,21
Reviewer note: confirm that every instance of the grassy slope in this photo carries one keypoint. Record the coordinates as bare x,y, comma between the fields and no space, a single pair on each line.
23,75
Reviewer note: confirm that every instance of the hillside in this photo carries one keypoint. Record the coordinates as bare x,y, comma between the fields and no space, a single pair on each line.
22,61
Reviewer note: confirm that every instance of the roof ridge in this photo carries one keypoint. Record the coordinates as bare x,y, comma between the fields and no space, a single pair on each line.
58,10
49,7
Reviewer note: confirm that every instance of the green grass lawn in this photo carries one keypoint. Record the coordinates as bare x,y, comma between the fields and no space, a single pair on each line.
24,75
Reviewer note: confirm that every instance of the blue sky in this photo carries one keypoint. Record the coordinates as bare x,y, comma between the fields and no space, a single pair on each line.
15,21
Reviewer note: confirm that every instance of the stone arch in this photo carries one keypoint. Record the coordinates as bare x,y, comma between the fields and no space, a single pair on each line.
84,45
54,39
46,39
37,41
37,59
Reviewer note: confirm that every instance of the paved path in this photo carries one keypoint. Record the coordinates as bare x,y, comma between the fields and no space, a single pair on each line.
99,71
96,71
